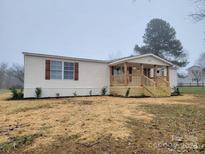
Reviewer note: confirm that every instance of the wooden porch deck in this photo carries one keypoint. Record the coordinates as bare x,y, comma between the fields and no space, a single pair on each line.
132,81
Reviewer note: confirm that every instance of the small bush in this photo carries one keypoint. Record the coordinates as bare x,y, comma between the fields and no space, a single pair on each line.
127,92
75,93
16,94
176,92
38,92
20,94
90,92
57,94
104,91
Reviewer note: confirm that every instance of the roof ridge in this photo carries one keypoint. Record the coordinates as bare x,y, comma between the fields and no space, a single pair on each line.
64,57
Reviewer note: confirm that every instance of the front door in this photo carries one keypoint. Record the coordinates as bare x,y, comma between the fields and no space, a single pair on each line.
147,72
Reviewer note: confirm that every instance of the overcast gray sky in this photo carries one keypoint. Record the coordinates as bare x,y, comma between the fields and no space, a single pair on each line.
91,28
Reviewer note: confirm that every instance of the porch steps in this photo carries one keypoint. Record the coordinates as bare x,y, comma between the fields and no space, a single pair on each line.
156,89
158,92
148,91
161,92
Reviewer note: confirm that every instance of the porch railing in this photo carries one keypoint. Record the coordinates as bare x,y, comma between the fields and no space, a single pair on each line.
149,86
148,82
136,80
162,82
117,80
133,80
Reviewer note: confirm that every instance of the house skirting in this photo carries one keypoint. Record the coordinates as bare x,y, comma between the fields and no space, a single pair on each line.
63,92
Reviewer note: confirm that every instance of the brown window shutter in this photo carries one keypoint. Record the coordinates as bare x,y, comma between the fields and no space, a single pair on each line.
76,71
47,71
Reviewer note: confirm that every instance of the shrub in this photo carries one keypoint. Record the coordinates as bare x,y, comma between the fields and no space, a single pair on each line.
176,92
104,91
90,92
127,92
75,93
57,94
20,94
38,92
16,94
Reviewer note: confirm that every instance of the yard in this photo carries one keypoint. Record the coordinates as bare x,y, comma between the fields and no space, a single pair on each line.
103,125
192,90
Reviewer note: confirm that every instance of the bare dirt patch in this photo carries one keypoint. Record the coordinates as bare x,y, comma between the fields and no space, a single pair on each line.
102,124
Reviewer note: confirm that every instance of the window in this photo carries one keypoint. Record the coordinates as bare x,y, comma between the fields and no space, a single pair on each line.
118,70
59,70
68,71
130,70
56,70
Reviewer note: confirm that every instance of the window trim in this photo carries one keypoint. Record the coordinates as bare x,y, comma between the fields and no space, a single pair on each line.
62,69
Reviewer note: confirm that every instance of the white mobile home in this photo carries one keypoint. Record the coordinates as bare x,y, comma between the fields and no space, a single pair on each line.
147,75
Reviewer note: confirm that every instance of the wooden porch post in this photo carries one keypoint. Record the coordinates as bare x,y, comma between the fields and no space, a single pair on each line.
167,73
148,72
111,75
142,74
155,73
125,74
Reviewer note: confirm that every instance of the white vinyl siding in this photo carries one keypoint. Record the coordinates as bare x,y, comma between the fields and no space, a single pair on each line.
92,76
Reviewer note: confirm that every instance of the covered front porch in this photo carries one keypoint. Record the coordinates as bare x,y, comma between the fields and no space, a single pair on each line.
138,79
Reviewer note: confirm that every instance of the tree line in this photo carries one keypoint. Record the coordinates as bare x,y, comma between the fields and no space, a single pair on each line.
11,76
199,75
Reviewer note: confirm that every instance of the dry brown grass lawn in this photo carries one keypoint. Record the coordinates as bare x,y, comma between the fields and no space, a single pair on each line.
102,124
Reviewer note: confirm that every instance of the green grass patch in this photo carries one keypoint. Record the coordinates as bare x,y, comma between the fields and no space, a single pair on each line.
176,111
17,142
171,122
175,119
25,109
192,90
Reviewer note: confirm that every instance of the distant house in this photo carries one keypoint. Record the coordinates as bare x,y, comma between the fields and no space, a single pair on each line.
194,76
143,75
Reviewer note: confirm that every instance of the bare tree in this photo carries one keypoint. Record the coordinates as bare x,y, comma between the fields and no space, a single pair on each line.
11,76
197,75
201,61
200,13
17,71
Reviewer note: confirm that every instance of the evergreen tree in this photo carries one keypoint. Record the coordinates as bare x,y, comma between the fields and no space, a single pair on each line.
160,39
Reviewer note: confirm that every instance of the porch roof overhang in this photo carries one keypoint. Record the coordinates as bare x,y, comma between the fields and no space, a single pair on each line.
128,59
